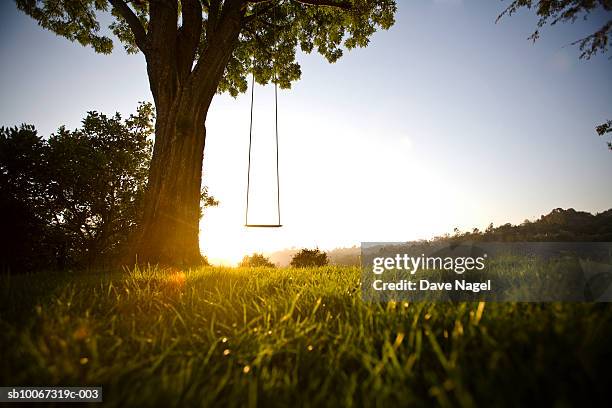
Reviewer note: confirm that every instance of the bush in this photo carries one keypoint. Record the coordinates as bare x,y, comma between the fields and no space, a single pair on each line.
256,260
24,231
307,258
75,198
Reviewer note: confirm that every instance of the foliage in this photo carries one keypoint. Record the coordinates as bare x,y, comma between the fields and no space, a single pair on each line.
256,260
206,200
555,11
268,43
270,31
294,337
75,199
560,11
604,129
307,258
22,206
81,190
97,179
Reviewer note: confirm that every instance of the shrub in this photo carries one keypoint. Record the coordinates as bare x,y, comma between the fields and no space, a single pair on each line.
256,260
309,258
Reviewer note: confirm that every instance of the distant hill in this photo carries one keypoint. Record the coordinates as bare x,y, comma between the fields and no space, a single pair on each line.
557,226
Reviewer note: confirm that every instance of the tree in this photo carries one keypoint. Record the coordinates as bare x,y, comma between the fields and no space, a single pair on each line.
308,258
23,244
555,11
96,177
256,260
76,196
194,49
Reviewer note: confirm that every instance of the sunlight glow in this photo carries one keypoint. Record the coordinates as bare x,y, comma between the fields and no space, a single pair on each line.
334,190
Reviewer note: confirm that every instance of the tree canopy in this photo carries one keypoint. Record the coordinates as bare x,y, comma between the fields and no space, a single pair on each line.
270,34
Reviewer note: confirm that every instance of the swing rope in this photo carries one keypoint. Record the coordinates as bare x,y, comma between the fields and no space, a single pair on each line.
275,76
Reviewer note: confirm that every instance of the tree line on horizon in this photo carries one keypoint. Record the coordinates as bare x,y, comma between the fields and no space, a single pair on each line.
560,225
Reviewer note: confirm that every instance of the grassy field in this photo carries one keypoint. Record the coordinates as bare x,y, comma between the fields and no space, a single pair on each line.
278,337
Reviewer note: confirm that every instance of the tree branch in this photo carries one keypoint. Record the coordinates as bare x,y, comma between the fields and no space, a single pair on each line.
163,15
131,18
161,61
213,16
188,36
246,20
341,4
344,5
224,36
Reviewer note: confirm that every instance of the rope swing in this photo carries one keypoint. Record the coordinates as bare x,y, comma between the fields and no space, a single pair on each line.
246,215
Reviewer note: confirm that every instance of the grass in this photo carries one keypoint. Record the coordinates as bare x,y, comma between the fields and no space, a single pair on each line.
279,337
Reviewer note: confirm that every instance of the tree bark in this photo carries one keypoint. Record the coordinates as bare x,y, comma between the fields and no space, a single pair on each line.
170,224
182,93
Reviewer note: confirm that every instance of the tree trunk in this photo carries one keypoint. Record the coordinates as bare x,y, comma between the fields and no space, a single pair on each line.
170,225
182,93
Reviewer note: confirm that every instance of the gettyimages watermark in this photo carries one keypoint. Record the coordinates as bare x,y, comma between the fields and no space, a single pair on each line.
489,271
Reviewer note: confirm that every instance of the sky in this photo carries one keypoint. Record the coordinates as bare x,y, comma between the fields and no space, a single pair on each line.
446,120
